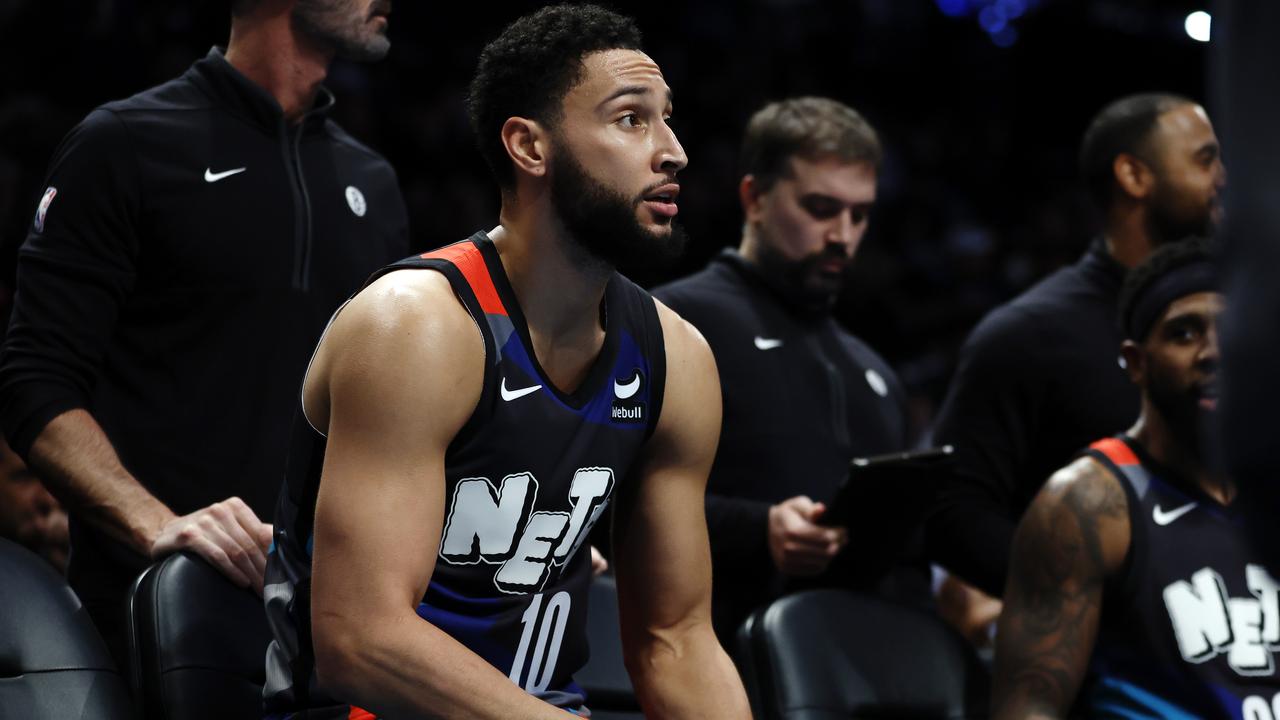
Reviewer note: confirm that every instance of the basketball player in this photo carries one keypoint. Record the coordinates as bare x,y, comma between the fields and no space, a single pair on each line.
471,413
1135,590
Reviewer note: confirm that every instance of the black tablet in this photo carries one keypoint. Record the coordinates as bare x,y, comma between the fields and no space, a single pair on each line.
887,490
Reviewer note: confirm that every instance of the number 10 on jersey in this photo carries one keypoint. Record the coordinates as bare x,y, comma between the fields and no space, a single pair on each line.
549,623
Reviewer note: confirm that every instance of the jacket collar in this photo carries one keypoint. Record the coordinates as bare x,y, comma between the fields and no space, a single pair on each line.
247,99
730,258
1105,270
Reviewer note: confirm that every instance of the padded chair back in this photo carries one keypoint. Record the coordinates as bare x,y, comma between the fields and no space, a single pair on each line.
198,642
609,692
53,663
838,655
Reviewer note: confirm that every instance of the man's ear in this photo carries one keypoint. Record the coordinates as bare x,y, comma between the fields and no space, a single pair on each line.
1135,362
751,196
1133,176
527,144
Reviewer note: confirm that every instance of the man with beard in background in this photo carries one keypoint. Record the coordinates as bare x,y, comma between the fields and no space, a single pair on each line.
190,245
802,397
1135,589
1040,377
471,413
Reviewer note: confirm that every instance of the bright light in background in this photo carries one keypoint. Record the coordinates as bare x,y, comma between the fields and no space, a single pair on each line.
1197,25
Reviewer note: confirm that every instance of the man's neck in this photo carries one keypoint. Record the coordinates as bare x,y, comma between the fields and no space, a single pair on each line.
754,254
560,293
1127,236
1181,455
266,50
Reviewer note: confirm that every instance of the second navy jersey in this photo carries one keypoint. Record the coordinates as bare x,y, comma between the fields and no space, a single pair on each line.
1190,627
526,478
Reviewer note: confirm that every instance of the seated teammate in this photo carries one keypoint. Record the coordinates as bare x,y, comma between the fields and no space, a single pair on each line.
471,413
1135,589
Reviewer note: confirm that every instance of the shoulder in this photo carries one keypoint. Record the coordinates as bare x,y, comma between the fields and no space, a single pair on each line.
345,140
405,324
687,349
1019,331
1085,485
1082,510
103,130
178,94
403,303
707,288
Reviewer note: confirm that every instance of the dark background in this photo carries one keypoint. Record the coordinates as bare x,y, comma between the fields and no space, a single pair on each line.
980,104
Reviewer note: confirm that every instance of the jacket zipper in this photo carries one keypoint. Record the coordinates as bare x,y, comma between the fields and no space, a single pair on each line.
302,239
839,412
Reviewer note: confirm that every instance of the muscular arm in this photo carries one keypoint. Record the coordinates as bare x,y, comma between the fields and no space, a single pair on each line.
395,379
661,556
1074,536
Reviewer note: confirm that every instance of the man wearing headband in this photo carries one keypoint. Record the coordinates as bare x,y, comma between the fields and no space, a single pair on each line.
1039,378
1134,590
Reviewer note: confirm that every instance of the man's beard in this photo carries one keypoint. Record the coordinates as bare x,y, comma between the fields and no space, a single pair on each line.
800,279
1168,224
1179,407
332,25
602,222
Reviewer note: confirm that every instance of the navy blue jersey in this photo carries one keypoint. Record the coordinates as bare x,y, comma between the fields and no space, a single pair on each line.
1190,627
528,475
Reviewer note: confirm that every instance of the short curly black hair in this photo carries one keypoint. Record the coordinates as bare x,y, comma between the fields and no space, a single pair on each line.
529,68
1166,259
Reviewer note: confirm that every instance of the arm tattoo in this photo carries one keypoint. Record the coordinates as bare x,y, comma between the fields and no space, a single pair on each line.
1054,595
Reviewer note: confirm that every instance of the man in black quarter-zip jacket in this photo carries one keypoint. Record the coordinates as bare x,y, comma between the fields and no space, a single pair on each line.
1040,377
190,245
802,397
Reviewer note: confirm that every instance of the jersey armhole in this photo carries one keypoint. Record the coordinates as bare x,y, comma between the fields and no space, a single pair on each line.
658,362
468,302
1124,585
302,387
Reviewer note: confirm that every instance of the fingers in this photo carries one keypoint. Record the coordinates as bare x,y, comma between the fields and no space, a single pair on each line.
248,531
598,563
207,548
226,534
800,530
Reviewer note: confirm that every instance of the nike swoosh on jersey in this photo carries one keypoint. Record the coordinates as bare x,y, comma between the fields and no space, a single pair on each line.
1164,518
767,343
510,395
211,177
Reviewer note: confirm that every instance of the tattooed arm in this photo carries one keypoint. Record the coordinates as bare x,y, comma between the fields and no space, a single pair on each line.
1073,537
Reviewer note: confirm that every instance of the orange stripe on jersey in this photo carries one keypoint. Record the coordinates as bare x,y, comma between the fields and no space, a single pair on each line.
467,258
1116,451
358,714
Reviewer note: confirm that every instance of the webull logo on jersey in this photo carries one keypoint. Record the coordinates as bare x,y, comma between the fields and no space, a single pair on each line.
624,408
497,526
1207,623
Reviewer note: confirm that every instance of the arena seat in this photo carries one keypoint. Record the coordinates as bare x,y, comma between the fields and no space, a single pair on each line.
198,643
53,663
609,692
838,655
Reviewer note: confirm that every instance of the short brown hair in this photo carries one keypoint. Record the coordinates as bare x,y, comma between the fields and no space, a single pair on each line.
807,127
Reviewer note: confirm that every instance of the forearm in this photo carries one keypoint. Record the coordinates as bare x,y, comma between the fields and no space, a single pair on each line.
684,673
407,667
74,457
